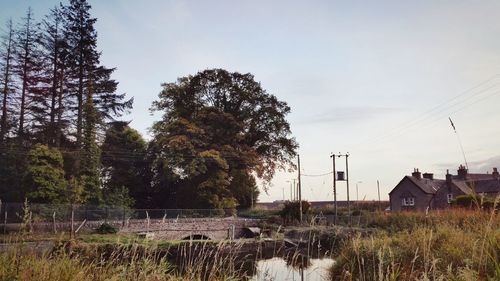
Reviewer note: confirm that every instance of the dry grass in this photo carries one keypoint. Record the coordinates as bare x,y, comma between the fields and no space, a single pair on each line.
448,245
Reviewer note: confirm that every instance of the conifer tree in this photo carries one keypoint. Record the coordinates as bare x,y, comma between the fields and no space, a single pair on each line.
6,79
54,47
29,70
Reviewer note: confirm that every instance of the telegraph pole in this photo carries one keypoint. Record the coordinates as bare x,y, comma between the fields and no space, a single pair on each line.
378,189
347,178
300,189
295,192
334,190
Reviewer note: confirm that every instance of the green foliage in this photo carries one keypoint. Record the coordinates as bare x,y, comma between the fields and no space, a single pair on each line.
472,201
12,169
124,169
219,129
291,210
90,156
106,228
44,177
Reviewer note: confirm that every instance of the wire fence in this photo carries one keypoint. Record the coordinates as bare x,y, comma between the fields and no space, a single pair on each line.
19,212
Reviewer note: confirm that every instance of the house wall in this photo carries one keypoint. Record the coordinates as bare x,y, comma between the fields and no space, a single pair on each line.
406,186
441,197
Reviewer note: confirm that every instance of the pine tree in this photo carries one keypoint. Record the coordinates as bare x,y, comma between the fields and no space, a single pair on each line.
83,56
7,86
29,68
83,64
55,51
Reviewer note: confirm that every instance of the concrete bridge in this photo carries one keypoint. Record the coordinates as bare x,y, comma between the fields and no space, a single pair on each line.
191,228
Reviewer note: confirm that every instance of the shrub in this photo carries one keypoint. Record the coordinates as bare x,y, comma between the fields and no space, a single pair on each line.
291,210
106,228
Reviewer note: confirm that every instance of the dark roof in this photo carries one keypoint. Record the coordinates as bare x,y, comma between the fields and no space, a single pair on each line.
462,186
486,186
427,185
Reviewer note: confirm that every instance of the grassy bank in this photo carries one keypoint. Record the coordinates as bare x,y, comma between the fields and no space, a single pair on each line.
449,245
78,260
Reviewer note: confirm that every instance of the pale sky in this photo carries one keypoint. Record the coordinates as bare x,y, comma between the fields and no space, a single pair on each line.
377,79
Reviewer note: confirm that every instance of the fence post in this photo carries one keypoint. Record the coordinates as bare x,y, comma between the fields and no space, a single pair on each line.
72,234
31,222
54,221
5,221
147,220
164,215
123,217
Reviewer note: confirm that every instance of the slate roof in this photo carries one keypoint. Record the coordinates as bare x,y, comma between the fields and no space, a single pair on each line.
462,185
487,186
427,185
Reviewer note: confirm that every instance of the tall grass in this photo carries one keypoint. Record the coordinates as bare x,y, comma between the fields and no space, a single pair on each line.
447,245
131,261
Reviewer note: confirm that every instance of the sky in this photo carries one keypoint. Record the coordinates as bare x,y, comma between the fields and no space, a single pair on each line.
376,79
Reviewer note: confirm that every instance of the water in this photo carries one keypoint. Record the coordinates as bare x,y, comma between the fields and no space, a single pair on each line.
277,269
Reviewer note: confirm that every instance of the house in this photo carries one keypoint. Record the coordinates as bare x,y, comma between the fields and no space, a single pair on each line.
422,191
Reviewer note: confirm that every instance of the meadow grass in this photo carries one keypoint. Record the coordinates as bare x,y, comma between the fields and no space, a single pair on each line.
455,244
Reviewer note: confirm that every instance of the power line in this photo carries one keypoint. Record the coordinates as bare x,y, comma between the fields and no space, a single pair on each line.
443,111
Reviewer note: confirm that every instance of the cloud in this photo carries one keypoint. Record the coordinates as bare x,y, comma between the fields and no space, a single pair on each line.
481,166
348,114
485,165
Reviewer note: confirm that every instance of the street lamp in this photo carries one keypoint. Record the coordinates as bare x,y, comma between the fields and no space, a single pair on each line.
357,195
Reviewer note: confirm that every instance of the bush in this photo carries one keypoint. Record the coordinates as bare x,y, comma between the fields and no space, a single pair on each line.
473,201
106,228
291,210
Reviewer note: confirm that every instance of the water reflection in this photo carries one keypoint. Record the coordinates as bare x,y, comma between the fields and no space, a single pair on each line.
281,269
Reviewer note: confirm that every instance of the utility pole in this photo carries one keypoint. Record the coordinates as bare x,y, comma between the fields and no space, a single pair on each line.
378,190
251,200
341,178
334,190
357,194
347,178
295,192
300,189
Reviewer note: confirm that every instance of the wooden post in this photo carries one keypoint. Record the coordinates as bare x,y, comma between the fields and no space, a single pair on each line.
54,222
5,221
72,231
123,217
147,221
31,222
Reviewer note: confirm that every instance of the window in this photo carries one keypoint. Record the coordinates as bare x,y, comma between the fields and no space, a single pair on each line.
408,201
449,196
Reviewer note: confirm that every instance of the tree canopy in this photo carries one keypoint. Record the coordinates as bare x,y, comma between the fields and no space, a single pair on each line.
219,130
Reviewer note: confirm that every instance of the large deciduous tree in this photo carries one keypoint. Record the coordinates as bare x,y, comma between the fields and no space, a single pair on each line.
123,153
219,130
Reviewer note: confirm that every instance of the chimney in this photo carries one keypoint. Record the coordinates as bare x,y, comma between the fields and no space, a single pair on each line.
448,176
495,173
416,173
462,172
429,176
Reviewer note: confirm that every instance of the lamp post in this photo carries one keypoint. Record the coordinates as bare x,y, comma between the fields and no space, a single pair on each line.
357,195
